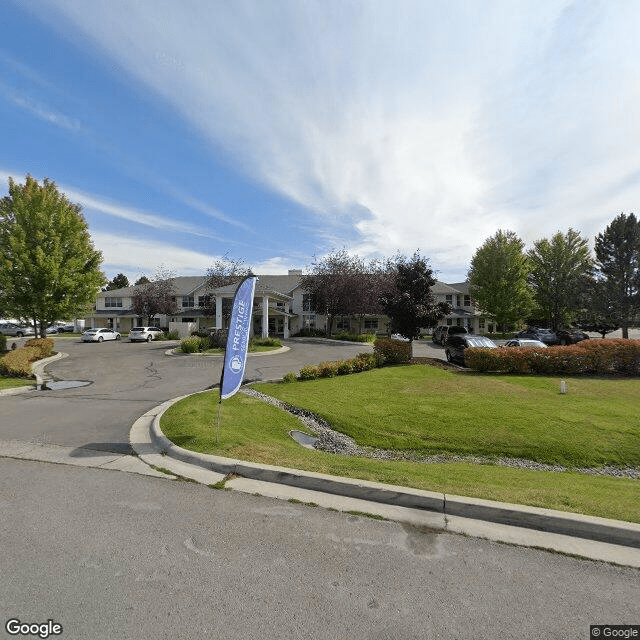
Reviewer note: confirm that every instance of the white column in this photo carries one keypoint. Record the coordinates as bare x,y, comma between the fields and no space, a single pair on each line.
218,312
265,316
286,320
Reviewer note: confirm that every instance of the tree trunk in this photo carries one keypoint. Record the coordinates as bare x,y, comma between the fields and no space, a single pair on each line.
625,332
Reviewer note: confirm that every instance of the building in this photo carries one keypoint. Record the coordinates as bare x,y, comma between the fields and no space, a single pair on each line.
281,308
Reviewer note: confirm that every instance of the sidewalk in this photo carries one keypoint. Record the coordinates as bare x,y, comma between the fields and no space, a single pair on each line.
590,537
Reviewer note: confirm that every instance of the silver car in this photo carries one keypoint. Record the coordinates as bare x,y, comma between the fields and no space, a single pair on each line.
17,330
142,334
98,335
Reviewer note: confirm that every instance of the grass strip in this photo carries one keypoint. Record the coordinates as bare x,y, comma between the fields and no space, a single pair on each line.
11,383
253,431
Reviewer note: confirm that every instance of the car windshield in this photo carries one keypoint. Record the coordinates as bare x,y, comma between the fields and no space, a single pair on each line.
138,329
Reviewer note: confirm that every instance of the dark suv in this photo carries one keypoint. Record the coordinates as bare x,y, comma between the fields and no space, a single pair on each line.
440,334
571,336
457,343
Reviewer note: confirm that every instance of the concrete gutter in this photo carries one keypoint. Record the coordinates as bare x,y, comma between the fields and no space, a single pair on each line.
450,512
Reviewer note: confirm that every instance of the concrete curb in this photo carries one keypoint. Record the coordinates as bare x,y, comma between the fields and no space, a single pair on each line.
38,367
613,532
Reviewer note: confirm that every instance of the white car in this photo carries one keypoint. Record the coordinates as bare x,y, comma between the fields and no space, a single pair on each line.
98,335
144,334
525,342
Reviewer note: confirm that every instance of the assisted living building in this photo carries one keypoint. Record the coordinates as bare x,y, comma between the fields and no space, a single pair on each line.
280,308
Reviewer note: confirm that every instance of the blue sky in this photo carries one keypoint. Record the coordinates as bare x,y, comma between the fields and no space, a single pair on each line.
276,131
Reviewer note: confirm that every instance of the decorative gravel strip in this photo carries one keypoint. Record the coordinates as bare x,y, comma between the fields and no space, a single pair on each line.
335,442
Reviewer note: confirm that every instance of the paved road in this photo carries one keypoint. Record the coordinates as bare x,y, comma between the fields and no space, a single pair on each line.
114,555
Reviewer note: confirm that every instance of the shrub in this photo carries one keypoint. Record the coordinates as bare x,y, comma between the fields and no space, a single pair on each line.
18,363
289,377
173,335
3,343
393,351
218,338
345,367
44,346
310,333
589,356
308,372
328,369
265,342
190,344
355,337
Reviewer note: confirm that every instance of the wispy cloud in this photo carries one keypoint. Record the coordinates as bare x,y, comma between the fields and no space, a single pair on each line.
134,255
402,125
39,109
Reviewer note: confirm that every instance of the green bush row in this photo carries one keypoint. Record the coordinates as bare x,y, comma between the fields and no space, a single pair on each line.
393,351
354,337
362,362
197,342
589,356
3,343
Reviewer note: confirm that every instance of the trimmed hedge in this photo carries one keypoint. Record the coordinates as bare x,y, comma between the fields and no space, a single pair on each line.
18,363
393,351
44,346
362,362
596,356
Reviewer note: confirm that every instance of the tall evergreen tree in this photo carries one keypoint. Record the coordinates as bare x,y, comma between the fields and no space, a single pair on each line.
618,262
498,279
49,268
558,269
119,282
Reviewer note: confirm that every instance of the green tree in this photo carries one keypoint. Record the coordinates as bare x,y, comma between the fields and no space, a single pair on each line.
558,270
49,268
618,262
142,280
119,282
410,304
498,279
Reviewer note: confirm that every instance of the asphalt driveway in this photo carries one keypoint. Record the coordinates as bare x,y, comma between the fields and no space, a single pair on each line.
126,380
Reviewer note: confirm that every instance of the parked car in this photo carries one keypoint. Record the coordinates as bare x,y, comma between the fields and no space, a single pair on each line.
142,334
535,333
457,344
17,330
54,328
440,334
98,335
525,342
571,336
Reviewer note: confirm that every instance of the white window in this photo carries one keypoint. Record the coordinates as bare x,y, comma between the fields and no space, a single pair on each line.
112,302
467,301
187,301
449,298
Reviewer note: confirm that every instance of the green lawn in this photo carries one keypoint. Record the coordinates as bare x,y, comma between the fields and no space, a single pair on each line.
11,383
426,410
